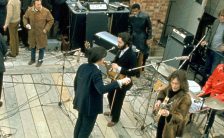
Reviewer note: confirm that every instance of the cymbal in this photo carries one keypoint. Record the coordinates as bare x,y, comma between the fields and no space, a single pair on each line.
163,69
194,96
214,103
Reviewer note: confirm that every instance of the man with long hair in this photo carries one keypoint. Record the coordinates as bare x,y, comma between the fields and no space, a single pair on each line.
172,121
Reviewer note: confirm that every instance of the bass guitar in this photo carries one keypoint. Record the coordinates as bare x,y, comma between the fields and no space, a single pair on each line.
113,75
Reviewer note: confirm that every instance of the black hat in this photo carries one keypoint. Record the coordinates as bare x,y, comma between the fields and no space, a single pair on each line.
95,54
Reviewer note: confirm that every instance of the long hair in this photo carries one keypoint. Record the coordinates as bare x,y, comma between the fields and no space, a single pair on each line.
181,77
221,12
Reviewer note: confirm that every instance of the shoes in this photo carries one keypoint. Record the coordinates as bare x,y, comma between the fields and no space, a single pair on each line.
10,55
39,63
31,62
107,113
111,124
1,103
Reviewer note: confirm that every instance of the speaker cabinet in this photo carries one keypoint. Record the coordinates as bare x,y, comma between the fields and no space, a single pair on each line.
84,26
175,48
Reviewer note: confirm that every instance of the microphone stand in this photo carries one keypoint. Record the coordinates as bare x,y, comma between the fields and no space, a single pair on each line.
175,58
195,47
63,71
60,103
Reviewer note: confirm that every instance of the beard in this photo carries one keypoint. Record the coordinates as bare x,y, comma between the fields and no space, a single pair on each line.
122,47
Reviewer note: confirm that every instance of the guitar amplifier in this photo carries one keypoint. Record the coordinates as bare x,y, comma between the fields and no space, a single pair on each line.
182,36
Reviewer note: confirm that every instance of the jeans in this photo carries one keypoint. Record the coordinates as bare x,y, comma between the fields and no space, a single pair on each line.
41,54
213,59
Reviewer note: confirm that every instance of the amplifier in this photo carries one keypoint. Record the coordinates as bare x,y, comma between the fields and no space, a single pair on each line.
182,36
97,6
106,40
109,41
116,6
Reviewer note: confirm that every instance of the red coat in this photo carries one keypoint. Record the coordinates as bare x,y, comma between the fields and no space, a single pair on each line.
215,84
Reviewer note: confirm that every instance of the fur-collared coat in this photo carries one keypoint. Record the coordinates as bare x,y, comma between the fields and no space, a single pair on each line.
38,20
179,110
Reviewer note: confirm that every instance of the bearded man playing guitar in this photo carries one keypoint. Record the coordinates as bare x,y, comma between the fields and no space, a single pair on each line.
123,61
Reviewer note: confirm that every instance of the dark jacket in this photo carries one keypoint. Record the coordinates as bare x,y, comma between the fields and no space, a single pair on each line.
3,51
3,4
127,61
179,110
47,4
89,90
25,4
140,28
212,31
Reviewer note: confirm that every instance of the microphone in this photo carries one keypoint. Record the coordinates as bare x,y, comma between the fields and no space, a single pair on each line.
182,58
78,56
112,48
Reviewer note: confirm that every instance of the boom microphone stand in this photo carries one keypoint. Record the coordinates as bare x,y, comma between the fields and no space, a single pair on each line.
195,47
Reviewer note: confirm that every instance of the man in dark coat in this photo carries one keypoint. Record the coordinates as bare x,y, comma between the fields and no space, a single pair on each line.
25,4
3,51
124,60
3,4
140,29
89,90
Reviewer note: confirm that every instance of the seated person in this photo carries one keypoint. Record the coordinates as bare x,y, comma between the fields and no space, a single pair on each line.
214,87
